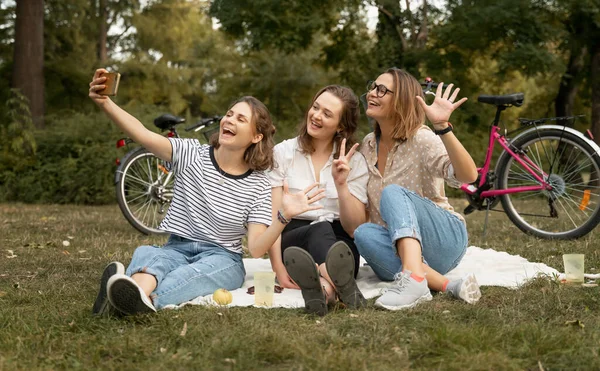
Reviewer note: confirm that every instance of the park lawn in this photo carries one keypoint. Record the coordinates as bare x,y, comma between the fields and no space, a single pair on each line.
47,289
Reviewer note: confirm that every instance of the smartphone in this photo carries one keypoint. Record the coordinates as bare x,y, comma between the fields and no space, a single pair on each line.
112,83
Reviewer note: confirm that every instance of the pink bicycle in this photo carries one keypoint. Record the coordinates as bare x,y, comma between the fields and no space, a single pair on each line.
546,178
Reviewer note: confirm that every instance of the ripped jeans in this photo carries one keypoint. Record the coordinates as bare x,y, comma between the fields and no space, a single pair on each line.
185,269
442,235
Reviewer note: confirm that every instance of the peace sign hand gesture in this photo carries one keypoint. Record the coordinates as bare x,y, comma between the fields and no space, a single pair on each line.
442,107
297,203
341,167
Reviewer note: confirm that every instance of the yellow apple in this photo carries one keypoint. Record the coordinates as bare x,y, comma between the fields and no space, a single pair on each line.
222,297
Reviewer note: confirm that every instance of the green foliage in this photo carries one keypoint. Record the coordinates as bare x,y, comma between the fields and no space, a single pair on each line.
7,32
71,33
18,127
17,143
74,162
516,33
180,62
287,25
349,52
286,93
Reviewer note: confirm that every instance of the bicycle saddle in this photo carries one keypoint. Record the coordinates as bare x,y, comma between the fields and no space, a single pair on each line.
515,99
167,121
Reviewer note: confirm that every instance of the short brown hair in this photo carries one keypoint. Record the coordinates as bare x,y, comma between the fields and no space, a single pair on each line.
258,156
348,120
408,114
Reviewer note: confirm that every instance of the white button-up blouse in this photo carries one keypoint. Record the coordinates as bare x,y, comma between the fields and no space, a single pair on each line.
297,168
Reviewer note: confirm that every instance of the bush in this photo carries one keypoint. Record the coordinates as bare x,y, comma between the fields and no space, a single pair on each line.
74,161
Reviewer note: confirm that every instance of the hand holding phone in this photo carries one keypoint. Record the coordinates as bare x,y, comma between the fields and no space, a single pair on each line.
112,83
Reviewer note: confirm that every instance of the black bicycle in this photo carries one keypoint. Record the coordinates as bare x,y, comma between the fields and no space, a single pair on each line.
144,183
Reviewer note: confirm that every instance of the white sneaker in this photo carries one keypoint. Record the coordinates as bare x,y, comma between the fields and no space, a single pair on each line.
127,296
405,293
466,289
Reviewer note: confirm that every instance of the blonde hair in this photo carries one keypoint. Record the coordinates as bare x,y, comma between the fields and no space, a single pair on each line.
407,113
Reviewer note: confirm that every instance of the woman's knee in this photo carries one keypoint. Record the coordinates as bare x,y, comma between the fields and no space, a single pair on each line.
359,235
145,252
321,229
393,192
148,259
363,237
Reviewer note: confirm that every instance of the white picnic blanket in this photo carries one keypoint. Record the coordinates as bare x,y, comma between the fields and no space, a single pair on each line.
492,268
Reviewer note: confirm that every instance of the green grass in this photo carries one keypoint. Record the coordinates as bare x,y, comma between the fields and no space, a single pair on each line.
46,293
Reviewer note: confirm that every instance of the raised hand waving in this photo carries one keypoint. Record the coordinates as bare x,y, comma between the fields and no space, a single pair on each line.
439,111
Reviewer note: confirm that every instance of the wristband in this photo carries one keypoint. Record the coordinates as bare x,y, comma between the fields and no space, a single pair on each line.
282,218
443,131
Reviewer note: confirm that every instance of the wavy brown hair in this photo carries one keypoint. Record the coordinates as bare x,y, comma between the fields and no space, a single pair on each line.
258,156
406,111
346,126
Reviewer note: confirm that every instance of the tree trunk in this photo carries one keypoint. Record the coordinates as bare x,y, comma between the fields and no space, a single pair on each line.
423,30
103,32
28,65
595,78
570,81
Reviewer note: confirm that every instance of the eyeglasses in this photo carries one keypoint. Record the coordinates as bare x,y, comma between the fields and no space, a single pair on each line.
382,90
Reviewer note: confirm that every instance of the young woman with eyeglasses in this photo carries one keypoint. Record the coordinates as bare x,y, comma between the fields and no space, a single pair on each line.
318,251
414,235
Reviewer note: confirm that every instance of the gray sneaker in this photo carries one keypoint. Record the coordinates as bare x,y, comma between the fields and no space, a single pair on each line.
405,293
466,289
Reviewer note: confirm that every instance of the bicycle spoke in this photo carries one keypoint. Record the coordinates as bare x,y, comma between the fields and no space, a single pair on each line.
140,181
559,156
143,206
576,171
138,197
567,213
570,169
567,163
149,170
577,204
538,158
146,212
138,170
530,179
526,195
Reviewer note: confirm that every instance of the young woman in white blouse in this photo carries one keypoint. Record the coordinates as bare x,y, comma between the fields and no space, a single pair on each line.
319,254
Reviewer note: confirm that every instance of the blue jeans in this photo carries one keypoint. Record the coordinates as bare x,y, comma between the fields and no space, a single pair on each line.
442,235
185,269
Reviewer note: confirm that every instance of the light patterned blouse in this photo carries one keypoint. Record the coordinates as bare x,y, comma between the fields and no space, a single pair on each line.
420,164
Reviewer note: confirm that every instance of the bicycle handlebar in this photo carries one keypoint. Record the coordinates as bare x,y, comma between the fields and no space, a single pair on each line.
429,84
204,123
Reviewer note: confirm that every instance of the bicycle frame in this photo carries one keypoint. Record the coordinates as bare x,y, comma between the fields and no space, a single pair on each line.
524,161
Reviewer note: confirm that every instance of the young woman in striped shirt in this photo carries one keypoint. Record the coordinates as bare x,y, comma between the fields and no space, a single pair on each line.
221,194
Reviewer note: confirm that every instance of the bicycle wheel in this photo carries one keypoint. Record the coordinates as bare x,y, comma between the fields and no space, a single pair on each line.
144,191
571,166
